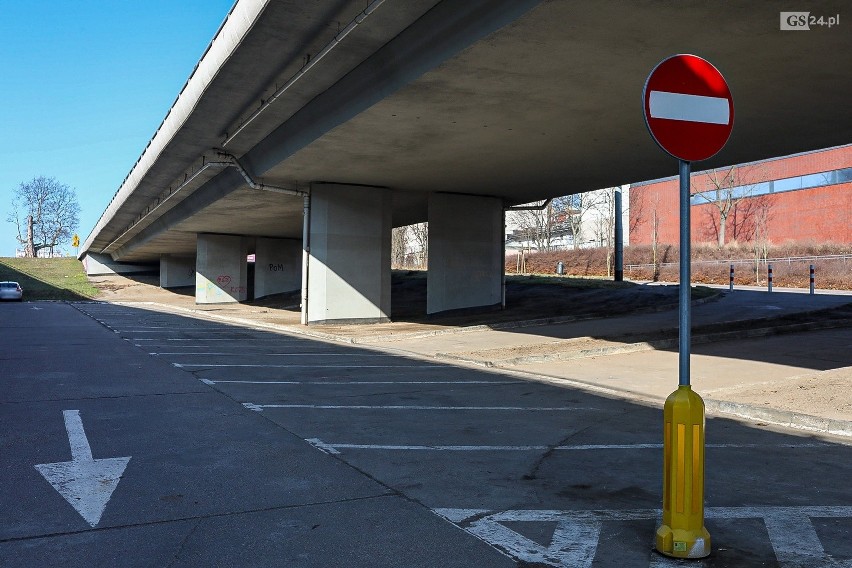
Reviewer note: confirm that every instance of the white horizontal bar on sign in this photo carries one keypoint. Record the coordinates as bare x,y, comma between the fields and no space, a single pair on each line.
689,108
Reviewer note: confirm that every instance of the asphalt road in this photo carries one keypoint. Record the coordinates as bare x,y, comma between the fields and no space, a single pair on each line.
253,448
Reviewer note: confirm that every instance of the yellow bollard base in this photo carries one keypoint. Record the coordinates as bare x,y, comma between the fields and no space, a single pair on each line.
681,543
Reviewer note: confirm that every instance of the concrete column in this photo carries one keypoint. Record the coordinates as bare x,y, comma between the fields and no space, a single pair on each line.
177,271
221,272
349,263
465,252
277,266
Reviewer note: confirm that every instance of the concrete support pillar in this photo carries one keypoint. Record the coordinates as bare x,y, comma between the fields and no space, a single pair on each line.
349,264
177,271
277,266
221,275
465,252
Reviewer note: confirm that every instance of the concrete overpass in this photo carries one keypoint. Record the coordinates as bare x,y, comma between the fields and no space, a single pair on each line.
309,129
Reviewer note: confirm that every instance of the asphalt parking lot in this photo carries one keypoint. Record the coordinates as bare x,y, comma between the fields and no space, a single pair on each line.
247,447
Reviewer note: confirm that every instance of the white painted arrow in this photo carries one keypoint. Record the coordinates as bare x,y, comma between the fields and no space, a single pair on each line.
86,483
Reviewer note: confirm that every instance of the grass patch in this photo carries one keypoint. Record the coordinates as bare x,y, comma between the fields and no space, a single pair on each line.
701,292
49,278
569,281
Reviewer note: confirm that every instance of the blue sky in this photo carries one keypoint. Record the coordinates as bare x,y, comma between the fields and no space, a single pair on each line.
85,84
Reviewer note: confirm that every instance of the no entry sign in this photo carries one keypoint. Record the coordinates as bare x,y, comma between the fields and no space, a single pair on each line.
688,107
689,112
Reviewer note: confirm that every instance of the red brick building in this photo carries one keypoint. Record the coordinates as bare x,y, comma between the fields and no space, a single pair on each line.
804,197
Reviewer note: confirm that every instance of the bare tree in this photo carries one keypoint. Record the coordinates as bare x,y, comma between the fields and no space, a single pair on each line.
45,213
727,188
577,206
420,242
604,206
543,227
762,215
399,247
655,237
535,226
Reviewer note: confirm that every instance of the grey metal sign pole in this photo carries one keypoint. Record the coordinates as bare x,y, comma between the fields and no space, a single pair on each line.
685,274
619,235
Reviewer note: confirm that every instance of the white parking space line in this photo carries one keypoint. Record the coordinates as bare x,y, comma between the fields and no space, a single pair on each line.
335,448
260,407
166,329
154,346
359,383
169,327
231,339
250,354
575,539
175,329
258,366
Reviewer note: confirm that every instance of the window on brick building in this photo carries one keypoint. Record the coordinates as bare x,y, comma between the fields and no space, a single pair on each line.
780,185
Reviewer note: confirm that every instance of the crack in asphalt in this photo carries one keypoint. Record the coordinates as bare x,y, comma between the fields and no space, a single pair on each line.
533,473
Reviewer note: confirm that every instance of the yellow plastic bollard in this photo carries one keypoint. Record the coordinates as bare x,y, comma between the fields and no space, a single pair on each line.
682,534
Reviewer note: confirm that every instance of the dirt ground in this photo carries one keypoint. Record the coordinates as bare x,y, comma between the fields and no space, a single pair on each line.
823,393
527,298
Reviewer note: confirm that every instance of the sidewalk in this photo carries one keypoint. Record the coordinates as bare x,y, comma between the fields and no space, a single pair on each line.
781,358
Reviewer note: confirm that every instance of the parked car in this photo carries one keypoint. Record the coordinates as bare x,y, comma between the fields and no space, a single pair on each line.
11,291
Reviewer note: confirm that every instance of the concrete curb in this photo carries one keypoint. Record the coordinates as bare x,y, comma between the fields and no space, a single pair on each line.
785,418
719,408
650,345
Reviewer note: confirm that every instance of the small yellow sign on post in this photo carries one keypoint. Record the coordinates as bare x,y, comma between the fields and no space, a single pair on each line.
75,241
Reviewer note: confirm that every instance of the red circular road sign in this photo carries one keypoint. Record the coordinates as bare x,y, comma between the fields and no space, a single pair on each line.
688,107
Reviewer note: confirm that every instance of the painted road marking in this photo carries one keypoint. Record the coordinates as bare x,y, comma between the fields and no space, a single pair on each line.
260,407
575,538
149,346
254,339
170,327
334,448
164,328
347,383
186,329
250,354
258,366
86,483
